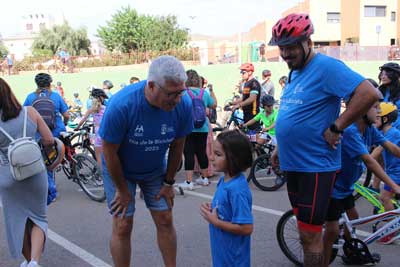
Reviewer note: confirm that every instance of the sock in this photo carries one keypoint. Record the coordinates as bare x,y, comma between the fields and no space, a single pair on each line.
32,263
24,264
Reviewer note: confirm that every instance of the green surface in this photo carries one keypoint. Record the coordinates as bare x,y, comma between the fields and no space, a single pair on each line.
224,77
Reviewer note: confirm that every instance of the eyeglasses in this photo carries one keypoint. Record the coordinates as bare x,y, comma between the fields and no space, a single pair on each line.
171,94
243,72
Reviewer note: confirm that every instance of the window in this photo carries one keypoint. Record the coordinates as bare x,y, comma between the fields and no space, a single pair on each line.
333,17
374,11
29,26
393,16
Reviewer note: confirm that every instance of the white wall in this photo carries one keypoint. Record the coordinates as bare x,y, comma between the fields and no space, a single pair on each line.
368,25
19,47
324,31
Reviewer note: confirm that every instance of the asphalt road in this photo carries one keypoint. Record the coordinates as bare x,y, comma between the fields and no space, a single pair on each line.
80,231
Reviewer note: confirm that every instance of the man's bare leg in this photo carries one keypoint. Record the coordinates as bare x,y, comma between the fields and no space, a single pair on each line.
166,236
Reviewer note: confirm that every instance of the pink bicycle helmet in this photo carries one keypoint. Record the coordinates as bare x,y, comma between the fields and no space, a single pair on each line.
291,29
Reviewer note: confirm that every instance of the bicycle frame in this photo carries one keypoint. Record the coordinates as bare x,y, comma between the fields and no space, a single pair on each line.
372,197
387,229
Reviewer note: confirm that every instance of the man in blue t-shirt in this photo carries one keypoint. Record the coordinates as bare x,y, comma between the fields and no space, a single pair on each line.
308,126
356,144
142,122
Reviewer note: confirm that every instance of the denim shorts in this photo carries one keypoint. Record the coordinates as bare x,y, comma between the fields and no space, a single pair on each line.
150,187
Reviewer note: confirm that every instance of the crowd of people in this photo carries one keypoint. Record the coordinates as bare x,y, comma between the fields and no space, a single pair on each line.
144,129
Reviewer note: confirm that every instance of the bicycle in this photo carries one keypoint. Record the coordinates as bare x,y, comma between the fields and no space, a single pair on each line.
355,251
233,122
81,139
288,223
82,169
264,176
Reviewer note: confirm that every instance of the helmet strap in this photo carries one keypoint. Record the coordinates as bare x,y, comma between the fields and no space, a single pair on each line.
305,58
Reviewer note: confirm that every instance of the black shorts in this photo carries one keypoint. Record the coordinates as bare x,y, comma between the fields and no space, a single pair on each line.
338,206
309,195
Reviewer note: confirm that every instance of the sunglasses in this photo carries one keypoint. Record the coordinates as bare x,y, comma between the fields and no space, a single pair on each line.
243,72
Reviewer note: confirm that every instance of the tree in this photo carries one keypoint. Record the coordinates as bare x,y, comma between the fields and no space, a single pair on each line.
128,31
63,36
3,49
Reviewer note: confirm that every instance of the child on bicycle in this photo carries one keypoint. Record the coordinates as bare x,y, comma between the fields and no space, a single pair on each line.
97,109
356,143
268,118
389,114
229,214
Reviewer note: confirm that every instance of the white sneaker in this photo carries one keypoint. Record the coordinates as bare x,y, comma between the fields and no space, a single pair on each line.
202,181
33,264
24,264
186,186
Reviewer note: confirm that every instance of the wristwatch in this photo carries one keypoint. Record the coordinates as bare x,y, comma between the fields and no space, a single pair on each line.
334,129
169,182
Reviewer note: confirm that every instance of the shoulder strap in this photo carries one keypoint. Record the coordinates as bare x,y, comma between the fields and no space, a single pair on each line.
201,93
6,134
24,131
25,119
190,93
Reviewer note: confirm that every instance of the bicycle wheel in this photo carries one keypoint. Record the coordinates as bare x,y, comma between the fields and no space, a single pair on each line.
264,176
89,177
79,148
289,241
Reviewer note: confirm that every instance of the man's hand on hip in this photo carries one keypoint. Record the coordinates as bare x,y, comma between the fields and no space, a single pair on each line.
333,139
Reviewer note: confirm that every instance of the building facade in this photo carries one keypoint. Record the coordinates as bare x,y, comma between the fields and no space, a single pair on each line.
362,22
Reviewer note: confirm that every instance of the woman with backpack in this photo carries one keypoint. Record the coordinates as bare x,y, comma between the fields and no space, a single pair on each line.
54,111
24,201
196,142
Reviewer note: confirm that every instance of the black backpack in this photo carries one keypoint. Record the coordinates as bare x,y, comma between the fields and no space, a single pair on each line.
46,108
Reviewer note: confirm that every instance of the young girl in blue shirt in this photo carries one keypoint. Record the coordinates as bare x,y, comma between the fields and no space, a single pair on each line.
229,214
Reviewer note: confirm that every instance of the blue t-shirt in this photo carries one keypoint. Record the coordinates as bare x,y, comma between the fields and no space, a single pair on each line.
60,106
392,163
208,102
89,103
386,99
309,104
354,145
78,102
233,201
144,132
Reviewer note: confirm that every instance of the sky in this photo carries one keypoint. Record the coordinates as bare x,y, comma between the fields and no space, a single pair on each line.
210,17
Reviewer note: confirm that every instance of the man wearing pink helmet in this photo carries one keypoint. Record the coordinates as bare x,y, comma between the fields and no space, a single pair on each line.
251,92
309,128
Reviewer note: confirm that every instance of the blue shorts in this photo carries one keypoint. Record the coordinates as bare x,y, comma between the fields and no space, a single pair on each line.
150,188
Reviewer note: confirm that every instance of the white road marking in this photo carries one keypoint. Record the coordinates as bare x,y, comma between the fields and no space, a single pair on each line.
75,249
255,207
262,209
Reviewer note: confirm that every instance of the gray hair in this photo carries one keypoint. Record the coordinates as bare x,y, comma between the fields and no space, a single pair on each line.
166,68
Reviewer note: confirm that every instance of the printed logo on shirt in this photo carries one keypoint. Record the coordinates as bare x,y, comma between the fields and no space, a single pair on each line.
298,89
139,131
165,129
